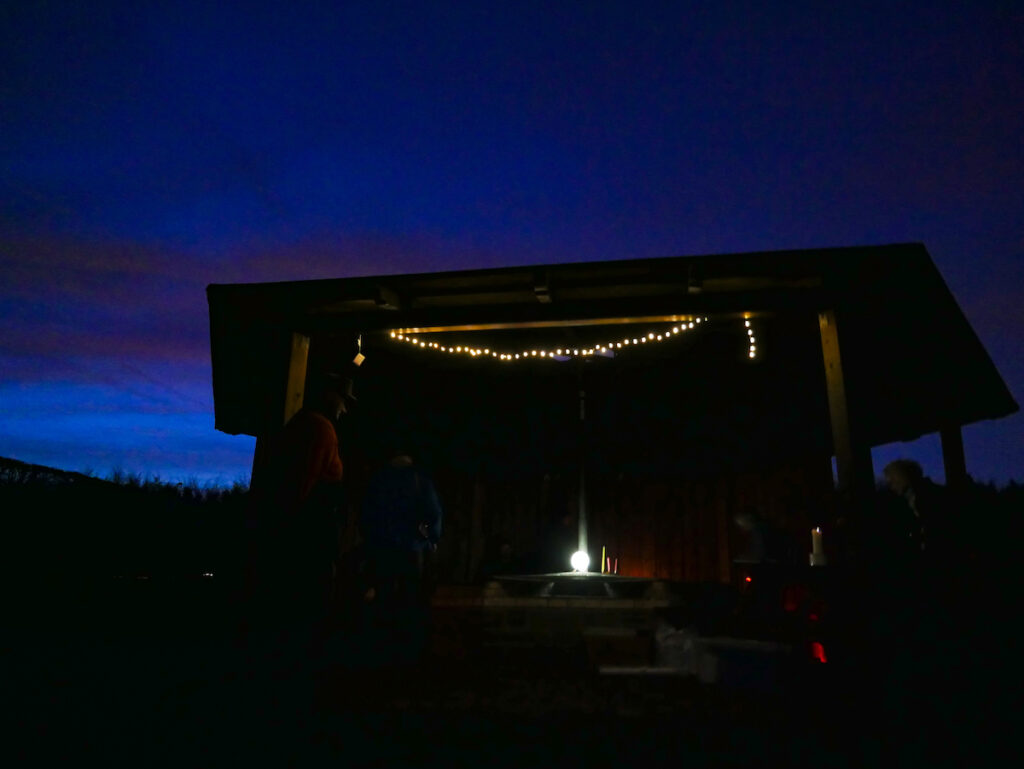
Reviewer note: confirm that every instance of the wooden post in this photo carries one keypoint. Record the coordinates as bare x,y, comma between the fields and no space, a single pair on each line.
853,456
295,386
294,392
953,457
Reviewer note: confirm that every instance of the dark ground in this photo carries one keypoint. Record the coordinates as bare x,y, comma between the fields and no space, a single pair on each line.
114,676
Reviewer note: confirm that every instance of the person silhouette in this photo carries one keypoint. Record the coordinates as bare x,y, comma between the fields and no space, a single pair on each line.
400,523
296,505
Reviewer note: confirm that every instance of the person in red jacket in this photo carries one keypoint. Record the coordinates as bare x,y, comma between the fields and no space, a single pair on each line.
295,516
307,463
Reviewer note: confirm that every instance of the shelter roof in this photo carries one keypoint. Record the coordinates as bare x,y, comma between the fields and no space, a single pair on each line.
912,361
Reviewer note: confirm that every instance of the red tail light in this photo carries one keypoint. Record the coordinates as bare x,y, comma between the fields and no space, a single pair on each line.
818,652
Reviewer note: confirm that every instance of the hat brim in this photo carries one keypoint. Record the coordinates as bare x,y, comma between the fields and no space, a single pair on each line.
342,385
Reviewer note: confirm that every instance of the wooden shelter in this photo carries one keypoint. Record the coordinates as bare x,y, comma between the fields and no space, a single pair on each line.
852,348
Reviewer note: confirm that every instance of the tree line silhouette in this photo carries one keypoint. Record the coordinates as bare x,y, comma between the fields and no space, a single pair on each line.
65,525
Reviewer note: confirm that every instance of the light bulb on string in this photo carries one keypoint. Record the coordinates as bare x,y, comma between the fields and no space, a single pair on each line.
560,353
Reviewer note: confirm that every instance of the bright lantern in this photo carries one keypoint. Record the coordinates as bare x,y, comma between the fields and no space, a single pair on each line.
579,561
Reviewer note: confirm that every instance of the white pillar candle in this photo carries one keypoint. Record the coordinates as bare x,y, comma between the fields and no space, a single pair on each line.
816,547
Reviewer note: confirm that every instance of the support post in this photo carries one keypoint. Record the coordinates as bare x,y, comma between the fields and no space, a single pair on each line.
294,393
953,457
855,473
582,517
295,386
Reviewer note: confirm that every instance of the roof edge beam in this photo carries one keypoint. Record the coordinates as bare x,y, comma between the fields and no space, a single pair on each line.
566,313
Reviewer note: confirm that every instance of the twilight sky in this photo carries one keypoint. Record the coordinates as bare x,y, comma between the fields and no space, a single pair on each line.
148,151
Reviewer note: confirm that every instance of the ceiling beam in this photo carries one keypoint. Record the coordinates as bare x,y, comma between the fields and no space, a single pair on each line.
563,313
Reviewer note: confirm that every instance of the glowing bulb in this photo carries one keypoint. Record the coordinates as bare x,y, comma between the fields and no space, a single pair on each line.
698,320
618,344
691,325
643,340
746,323
392,334
650,336
517,356
752,340
751,353
634,341
659,337
580,561
675,329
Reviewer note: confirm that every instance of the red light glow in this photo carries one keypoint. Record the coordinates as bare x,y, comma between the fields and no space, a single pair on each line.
818,652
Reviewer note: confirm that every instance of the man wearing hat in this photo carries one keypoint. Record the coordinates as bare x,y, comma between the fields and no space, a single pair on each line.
306,455
300,495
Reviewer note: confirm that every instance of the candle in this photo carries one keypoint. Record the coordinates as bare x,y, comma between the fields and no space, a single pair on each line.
602,559
609,564
816,547
616,565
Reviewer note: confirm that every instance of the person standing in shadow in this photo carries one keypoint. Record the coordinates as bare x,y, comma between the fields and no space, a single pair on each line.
400,523
295,520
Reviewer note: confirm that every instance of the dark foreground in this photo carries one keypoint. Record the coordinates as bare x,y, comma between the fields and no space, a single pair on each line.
115,683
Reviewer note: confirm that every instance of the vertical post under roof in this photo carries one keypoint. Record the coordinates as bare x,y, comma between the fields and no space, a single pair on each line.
582,514
295,386
953,457
294,395
855,473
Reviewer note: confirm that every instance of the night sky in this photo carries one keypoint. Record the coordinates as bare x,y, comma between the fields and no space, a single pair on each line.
147,152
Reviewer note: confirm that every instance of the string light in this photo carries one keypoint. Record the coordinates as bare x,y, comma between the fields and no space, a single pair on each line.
600,348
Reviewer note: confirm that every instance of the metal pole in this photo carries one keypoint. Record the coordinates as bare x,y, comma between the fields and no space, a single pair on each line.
582,518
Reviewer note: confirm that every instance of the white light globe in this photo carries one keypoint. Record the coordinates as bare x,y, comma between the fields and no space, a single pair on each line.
579,561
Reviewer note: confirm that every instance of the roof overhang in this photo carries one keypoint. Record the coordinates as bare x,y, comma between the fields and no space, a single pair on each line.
912,359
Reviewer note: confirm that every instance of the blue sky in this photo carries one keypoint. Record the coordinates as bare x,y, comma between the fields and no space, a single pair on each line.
146,152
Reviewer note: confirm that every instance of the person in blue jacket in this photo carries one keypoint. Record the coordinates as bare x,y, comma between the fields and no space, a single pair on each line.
400,524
